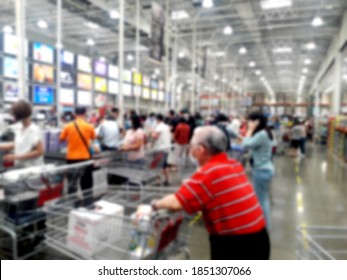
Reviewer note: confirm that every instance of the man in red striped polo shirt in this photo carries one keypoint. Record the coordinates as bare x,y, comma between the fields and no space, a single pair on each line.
221,190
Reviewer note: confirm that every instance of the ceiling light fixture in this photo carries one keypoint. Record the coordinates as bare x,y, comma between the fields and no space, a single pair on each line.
157,71
130,57
252,64
317,21
216,77
114,14
311,46
7,29
181,54
307,61
283,50
275,4
59,46
90,42
219,54
207,3
305,70
42,24
91,25
258,72
242,50
228,30
102,58
178,15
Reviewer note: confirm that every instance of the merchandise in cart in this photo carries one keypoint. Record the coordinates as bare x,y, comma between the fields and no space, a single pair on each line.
120,224
22,215
322,243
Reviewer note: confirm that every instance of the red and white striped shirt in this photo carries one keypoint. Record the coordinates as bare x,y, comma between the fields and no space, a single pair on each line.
222,191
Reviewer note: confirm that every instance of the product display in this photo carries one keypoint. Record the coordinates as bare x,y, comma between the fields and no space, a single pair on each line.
10,44
67,97
11,93
127,76
100,84
137,91
100,68
155,94
146,81
43,73
43,95
84,81
146,93
43,53
84,98
137,78
113,87
161,96
113,72
68,58
10,67
127,89
67,79
100,100
84,64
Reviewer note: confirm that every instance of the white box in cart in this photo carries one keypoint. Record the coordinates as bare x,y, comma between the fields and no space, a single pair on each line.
90,231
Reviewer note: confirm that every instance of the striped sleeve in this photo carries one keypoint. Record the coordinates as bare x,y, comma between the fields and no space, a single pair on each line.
194,194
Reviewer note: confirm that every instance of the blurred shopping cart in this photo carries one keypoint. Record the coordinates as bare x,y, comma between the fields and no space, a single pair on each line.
110,228
138,171
322,243
23,194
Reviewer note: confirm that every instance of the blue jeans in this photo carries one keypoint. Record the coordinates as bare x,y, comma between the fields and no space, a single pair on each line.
261,182
303,146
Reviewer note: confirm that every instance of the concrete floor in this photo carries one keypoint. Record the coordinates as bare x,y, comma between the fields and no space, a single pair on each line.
307,192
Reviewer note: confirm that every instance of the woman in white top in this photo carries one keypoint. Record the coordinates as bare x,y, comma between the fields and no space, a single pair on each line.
134,141
28,145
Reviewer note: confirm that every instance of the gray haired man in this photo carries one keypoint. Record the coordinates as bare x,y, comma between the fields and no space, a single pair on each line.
221,190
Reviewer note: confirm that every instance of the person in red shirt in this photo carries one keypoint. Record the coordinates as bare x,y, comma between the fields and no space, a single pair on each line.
181,139
222,191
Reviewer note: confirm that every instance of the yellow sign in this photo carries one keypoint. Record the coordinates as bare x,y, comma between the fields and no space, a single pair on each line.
137,78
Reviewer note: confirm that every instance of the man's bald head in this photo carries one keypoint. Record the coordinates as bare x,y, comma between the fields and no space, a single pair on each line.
212,138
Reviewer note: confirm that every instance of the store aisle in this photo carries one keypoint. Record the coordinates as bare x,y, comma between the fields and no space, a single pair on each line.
310,191
306,192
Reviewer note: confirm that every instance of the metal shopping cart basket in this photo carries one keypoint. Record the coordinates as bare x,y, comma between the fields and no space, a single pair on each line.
109,229
22,216
140,172
322,243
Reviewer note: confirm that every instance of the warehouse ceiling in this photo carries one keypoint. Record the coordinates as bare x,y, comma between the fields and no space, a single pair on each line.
274,51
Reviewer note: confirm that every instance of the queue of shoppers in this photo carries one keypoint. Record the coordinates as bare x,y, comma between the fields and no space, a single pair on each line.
218,184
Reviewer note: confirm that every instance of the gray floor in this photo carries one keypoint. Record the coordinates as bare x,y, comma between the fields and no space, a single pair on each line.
306,192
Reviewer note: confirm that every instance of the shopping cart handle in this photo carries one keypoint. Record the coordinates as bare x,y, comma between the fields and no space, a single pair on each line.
162,213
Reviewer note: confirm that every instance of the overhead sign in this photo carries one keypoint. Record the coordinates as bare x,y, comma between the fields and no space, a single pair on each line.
156,50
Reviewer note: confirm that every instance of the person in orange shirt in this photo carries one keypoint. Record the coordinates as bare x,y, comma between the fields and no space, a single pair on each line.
79,136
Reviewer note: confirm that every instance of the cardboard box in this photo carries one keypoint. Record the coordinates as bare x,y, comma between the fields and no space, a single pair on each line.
91,231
